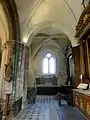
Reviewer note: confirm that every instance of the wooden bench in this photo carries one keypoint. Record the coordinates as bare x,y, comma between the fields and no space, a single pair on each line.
61,96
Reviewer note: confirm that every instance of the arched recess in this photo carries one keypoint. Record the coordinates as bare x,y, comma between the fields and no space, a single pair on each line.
9,36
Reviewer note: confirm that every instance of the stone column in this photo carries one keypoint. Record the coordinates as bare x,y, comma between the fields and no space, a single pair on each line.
25,68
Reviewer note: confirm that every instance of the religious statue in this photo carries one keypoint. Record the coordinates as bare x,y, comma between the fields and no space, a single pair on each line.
8,70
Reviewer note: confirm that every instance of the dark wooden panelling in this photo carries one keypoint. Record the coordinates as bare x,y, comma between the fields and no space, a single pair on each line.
48,90
53,90
76,55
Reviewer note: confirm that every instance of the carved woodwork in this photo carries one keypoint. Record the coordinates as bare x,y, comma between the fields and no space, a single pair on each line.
88,54
76,55
82,102
82,65
84,59
82,33
83,21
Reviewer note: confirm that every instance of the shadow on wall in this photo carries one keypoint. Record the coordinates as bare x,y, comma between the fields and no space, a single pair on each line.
61,80
31,79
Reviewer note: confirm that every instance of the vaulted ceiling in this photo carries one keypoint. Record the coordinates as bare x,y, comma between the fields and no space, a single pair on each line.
47,22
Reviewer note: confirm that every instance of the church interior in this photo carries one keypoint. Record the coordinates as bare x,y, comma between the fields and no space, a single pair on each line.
44,60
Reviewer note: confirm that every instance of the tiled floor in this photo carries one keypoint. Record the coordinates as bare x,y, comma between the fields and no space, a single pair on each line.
46,108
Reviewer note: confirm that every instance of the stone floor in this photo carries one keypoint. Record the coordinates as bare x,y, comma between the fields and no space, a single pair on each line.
46,108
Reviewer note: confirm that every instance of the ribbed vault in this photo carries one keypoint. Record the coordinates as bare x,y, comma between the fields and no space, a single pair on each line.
43,40
64,13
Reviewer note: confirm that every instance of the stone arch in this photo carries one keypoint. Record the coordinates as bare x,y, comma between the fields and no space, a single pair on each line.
10,31
12,18
9,39
9,22
9,36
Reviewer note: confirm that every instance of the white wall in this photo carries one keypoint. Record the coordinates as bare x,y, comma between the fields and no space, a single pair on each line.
60,64
31,72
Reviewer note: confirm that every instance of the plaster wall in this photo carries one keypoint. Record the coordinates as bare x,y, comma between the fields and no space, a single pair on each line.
60,64
31,72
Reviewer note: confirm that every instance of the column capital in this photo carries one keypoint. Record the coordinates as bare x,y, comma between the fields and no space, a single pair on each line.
12,44
19,46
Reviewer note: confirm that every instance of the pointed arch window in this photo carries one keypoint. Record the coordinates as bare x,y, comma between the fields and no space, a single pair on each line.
49,64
